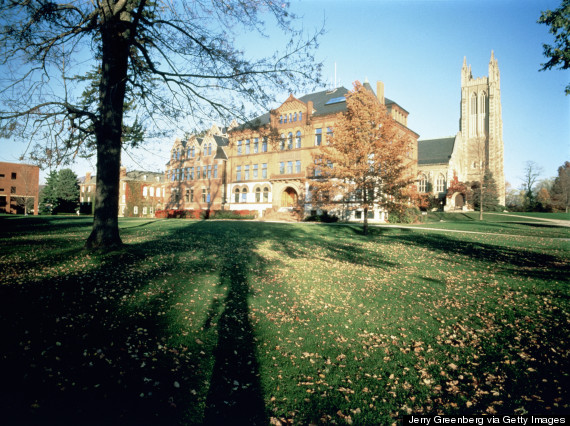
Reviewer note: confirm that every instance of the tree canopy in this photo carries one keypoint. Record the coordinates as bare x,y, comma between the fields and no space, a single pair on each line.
79,76
559,53
61,193
364,163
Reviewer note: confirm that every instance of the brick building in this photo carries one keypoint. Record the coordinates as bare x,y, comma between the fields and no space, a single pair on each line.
19,188
271,157
141,193
263,164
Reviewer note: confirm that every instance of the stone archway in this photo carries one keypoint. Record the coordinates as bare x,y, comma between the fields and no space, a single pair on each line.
458,201
289,197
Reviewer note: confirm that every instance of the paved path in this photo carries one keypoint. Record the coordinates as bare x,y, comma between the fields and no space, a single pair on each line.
557,222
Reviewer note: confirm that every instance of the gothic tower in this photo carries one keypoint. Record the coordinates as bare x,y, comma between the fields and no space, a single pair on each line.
481,125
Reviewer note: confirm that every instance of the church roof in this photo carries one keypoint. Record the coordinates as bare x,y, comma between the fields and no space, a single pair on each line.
435,151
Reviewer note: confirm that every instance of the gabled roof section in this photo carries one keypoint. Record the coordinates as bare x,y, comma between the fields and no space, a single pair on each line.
435,151
292,103
139,176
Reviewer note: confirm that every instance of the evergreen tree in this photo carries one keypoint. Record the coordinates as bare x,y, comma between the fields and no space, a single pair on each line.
489,194
560,193
61,193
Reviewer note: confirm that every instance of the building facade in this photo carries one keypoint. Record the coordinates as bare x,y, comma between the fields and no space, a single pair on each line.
271,158
141,193
19,188
196,173
477,146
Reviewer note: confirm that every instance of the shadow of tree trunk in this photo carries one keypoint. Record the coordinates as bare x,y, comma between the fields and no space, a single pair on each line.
235,395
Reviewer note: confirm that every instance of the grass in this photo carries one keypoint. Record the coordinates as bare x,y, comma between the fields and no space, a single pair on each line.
256,323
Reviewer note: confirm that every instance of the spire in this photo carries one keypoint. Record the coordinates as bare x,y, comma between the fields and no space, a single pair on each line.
465,62
492,55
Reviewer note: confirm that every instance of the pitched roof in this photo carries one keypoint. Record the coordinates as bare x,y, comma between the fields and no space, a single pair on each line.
435,151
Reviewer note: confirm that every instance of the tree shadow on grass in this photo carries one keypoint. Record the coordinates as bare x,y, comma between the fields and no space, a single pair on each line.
235,395
112,344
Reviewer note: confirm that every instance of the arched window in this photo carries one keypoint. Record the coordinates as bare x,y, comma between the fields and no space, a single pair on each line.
298,139
423,183
205,149
473,115
257,195
266,194
244,195
440,183
236,195
209,149
290,141
482,128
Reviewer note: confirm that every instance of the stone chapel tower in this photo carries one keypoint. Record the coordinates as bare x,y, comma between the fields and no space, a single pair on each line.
481,125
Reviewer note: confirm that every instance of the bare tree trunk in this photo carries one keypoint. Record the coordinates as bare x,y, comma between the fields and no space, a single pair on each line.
365,228
481,200
115,52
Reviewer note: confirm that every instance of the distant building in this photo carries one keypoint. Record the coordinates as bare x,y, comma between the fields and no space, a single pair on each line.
19,191
141,193
477,146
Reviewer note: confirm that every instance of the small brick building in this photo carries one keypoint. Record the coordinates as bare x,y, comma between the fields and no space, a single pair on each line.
19,188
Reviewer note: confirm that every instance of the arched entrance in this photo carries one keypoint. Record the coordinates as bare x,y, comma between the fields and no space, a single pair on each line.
289,197
458,201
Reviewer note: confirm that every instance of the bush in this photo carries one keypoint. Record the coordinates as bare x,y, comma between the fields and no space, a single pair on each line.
405,215
205,214
323,217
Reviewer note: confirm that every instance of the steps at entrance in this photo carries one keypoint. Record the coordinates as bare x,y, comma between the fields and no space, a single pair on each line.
282,215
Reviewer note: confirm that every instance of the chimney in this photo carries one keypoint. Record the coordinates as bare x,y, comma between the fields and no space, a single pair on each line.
380,91
123,172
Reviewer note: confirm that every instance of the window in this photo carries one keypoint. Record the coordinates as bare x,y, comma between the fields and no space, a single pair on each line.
145,210
244,195
300,116
177,175
191,176
256,145
289,167
318,136
203,195
473,115
145,191
295,117
197,172
215,170
14,175
266,194
204,172
2,175
246,172
187,195
158,192
298,166
136,210
264,170
183,174
192,152
208,195
151,210
285,118
329,134
264,145
282,142
209,171
124,187
205,149
280,119
281,168
238,147
290,141
12,190
247,146
257,195
440,183
298,140
209,149
152,191
423,183
255,167
191,195
236,195
317,168
238,173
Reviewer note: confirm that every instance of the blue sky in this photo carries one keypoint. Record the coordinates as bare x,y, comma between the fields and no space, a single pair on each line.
416,48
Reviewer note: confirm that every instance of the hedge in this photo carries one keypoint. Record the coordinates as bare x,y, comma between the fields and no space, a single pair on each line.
205,214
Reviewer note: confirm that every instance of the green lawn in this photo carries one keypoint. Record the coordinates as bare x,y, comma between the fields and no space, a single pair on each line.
229,321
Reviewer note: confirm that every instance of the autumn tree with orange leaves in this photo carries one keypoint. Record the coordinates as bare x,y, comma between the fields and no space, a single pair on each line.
365,162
